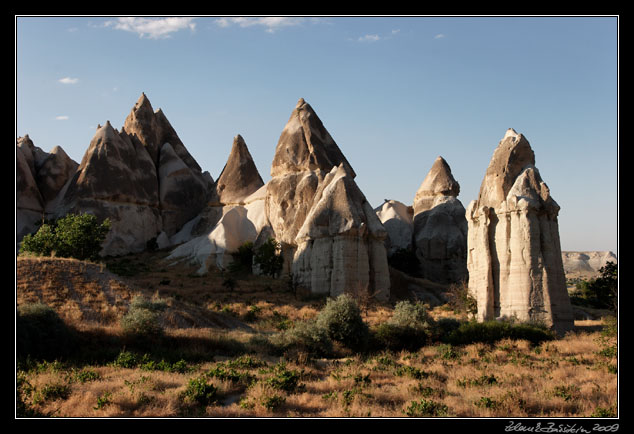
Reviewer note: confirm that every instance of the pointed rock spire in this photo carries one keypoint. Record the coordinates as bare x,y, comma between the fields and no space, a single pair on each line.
240,176
509,159
514,255
438,182
305,144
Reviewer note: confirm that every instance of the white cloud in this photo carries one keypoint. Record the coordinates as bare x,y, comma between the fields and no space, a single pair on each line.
61,118
369,38
68,80
439,36
153,28
271,24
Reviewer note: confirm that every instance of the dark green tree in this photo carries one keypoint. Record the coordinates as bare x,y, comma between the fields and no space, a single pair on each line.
602,292
73,236
268,258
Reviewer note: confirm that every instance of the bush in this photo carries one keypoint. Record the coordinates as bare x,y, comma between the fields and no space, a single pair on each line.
74,236
426,408
412,315
41,333
341,319
199,391
408,328
493,331
306,337
143,318
268,258
396,338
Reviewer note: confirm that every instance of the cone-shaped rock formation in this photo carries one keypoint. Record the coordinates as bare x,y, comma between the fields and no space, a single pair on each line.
235,214
514,254
142,178
331,238
306,145
440,227
240,177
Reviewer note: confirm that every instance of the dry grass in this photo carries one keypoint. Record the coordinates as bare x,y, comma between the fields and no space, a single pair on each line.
568,377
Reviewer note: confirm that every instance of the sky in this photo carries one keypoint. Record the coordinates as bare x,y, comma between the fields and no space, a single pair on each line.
394,93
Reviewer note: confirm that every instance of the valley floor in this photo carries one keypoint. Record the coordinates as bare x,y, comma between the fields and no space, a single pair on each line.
215,359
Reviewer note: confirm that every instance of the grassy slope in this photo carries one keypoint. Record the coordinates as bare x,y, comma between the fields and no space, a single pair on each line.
209,325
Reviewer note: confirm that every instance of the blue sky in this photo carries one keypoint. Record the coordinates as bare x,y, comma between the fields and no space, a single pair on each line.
394,92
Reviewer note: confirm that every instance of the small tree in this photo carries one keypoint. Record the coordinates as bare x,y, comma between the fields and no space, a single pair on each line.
243,259
74,236
268,258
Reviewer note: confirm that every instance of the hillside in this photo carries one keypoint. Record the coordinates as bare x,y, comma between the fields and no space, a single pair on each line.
220,334
84,292
585,264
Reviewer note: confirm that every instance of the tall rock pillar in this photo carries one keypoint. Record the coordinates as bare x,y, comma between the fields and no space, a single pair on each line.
514,254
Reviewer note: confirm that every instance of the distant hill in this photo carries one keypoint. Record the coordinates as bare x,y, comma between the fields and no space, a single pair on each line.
586,264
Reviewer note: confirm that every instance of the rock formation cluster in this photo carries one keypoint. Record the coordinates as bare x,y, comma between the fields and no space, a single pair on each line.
514,255
586,264
434,228
142,178
154,192
39,177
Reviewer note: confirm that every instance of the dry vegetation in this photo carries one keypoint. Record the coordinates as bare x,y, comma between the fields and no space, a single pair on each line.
215,358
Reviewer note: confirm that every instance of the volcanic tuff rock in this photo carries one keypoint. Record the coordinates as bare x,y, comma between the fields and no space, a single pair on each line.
397,219
117,180
40,176
306,145
514,254
240,177
142,178
438,182
234,215
331,238
340,245
440,227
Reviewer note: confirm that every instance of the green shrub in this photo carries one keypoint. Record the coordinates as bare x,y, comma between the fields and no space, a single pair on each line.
199,391
51,392
443,327
74,236
493,331
268,258
408,329
143,319
396,338
413,315
426,408
284,379
307,337
140,302
273,402
341,318
43,242
41,333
